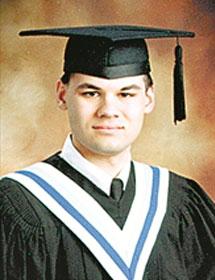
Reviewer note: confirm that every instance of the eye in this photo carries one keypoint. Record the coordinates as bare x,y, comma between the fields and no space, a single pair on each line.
127,94
90,93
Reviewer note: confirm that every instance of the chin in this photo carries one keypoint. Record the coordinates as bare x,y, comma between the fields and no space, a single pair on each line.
109,150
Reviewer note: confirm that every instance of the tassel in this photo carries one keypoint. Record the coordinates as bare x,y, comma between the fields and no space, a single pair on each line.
179,102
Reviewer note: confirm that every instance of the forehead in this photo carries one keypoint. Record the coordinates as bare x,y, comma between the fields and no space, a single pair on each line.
78,80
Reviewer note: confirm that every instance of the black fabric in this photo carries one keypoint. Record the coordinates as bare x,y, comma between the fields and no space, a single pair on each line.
36,245
104,58
109,51
111,32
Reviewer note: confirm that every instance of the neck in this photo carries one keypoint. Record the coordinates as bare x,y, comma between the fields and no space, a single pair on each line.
111,164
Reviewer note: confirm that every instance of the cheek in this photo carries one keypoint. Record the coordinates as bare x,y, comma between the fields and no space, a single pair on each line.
136,118
135,112
79,114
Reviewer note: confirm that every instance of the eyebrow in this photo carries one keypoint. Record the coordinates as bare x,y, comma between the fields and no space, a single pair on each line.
87,85
91,86
131,87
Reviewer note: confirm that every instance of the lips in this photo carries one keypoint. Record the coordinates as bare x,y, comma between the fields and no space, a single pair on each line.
108,127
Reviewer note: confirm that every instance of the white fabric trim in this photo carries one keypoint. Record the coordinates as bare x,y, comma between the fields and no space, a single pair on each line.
156,224
123,241
71,223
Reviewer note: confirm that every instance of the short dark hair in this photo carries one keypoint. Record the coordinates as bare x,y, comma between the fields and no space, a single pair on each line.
148,81
65,78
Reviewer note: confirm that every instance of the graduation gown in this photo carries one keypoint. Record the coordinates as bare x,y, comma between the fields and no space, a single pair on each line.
37,245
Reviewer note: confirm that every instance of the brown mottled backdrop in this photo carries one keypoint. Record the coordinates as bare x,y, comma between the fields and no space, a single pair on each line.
32,127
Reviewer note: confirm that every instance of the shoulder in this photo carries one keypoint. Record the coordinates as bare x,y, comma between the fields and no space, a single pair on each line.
191,215
19,208
187,200
185,192
186,237
191,224
19,219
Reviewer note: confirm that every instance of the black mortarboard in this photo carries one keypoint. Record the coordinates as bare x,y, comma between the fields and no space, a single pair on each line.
114,51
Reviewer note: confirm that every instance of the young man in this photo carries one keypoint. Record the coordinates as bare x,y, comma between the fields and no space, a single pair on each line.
90,211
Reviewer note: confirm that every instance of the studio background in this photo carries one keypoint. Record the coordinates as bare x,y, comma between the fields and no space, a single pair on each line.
32,126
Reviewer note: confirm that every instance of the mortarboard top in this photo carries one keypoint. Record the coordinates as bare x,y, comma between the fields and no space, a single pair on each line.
114,51
111,32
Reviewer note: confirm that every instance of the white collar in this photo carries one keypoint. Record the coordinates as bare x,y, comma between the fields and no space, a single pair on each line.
95,174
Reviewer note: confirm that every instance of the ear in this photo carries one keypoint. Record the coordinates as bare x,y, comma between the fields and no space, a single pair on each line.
150,100
61,91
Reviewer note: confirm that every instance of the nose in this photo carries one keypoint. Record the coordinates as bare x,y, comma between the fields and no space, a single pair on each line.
108,108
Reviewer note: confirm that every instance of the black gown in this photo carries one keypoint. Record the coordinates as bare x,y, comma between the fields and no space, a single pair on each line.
37,245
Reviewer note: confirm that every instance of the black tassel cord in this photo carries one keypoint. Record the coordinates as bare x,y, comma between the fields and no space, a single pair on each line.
179,101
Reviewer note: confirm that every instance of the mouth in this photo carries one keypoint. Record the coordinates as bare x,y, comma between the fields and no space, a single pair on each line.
107,127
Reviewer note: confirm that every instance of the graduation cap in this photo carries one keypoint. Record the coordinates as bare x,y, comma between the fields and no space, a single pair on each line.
115,51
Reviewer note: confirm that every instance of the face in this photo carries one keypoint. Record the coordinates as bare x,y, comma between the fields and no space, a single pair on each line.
106,115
